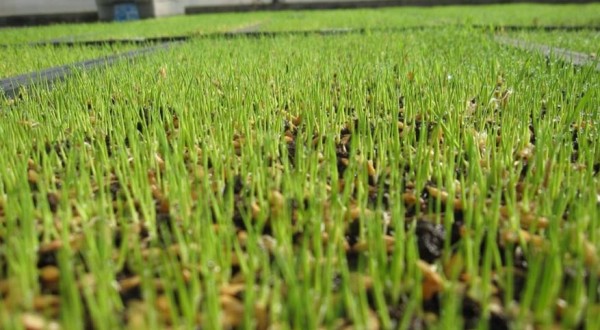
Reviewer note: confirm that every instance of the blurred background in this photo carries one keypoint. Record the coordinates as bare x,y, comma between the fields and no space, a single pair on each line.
32,12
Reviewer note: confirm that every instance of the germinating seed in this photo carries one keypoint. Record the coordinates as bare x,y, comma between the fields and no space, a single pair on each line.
425,178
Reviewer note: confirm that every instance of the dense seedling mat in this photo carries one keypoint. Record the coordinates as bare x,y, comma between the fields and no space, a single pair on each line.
370,176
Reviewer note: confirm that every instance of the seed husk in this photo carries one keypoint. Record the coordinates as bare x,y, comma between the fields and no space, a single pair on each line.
50,274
